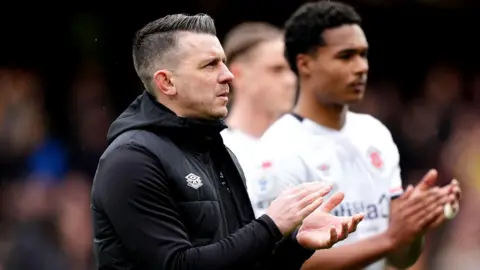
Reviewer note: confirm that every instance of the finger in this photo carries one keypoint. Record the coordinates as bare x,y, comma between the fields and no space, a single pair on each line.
303,190
444,195
458,193
452,198
312,187
453,187
294,189
437,221
431,212
333,236
350,221
323,189
419,207
356,220
428,180
332,202
408,192
456,206
440,202
343,229
309,199
445,191
440,196
431,217
454,183
307,210
456,188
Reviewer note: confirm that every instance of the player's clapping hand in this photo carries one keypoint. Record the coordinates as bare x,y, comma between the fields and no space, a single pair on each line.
450,195
416,210
290,208
322,230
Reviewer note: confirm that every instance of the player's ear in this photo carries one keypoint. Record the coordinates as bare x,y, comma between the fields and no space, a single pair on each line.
164,81
304,64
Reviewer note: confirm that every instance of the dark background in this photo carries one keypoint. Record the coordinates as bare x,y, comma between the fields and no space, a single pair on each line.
424,85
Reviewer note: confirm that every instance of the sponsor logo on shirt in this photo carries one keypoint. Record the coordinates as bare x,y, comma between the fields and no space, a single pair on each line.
372,211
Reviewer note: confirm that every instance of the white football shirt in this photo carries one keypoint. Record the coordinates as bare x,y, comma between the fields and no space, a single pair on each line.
360,160
245,148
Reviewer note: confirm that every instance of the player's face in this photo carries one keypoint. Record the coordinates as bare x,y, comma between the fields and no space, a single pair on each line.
201,78
340,67
266,77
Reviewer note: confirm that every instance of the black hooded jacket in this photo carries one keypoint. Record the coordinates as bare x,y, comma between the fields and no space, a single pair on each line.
168,194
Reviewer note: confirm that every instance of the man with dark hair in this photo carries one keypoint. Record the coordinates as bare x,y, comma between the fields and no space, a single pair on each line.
168,194
323,141
263,89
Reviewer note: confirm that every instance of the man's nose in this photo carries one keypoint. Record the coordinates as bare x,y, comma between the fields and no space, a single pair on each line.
225,76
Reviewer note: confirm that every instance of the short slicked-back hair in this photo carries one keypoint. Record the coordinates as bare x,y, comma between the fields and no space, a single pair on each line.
304,29
156,41
245,36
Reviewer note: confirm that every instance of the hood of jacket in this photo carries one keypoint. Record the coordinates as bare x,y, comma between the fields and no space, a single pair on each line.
145,113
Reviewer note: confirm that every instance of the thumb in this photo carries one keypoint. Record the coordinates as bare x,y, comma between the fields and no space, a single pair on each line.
332,202
428,180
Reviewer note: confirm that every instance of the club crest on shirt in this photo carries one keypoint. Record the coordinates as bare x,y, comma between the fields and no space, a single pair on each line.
375,157
324,168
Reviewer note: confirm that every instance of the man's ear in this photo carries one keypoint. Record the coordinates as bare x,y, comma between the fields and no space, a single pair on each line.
163,79
304,64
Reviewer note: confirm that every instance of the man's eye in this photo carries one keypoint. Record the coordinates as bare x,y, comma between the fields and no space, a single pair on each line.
210,65
345,56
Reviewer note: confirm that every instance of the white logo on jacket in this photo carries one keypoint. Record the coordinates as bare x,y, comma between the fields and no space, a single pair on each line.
194,181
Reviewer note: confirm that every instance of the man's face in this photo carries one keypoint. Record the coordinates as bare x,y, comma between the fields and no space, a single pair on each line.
201,77
339,69
264,76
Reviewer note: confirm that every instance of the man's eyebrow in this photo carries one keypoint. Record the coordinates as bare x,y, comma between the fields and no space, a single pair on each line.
215,58
353,50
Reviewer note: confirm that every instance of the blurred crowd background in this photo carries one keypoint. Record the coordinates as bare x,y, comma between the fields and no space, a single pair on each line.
65,76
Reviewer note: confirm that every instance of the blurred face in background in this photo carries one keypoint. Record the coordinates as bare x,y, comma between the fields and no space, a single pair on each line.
263,76
22,124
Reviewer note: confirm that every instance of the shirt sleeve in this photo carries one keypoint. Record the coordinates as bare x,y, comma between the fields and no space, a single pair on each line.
393,156
396,188
133,191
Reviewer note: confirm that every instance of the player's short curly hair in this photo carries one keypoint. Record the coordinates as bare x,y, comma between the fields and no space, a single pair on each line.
304,29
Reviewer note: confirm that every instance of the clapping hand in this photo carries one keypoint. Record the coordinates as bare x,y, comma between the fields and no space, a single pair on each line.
322,230
450,195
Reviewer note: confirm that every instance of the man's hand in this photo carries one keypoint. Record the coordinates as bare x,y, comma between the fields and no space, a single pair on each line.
416,210
450,193
453,194
322,230
290,208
